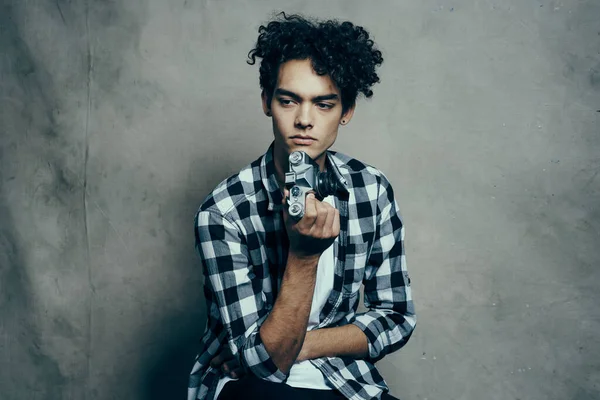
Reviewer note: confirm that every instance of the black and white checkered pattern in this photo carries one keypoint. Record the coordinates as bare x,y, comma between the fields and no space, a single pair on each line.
241,239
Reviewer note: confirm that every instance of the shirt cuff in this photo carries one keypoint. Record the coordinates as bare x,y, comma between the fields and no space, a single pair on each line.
370,323
258,361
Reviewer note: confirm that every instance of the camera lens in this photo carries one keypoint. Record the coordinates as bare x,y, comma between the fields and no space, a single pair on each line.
326,184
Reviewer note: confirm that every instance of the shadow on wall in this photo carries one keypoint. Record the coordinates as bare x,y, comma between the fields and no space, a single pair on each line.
178,333
168,377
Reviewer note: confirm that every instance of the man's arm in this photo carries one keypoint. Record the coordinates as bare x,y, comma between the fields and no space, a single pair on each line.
284,330
228,275
266,343
390,320
341,341
290,309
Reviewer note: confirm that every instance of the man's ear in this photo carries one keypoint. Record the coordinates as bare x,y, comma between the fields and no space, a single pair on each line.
266,107
347,116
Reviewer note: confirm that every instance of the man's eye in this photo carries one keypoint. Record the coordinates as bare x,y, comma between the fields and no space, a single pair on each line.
325,105
285,102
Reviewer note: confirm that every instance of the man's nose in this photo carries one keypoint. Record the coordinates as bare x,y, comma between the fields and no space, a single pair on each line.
304,118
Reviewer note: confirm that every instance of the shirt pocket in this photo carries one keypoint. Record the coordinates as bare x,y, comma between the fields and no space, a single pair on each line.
354,268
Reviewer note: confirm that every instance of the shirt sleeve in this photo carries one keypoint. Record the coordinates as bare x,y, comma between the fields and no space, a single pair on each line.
390,319
229,275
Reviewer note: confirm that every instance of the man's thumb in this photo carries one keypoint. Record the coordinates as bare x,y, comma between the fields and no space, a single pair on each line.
286,193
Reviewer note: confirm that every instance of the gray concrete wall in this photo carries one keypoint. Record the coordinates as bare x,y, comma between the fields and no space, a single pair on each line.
118,117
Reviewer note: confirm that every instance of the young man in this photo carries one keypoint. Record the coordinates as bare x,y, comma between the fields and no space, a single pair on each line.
282,294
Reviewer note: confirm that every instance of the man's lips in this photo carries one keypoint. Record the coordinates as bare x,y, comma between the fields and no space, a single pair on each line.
303,140
303,137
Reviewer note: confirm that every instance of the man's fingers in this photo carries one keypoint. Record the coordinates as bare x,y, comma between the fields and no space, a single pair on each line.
229,366
221,357
320,224
336,223
310,210
236,373
286,193
216,361
328,227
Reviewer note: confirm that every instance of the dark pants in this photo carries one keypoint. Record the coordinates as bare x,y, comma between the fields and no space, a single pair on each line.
251,387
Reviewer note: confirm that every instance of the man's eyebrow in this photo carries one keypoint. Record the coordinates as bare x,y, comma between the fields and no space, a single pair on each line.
332,96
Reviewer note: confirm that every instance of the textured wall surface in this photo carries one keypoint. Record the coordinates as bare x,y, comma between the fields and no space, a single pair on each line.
118,117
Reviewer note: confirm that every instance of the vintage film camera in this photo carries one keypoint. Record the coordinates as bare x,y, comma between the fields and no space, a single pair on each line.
304,177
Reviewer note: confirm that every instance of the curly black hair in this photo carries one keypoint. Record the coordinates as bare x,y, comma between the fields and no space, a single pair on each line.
341,50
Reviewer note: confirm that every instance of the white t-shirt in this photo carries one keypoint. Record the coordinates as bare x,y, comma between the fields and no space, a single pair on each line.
303,374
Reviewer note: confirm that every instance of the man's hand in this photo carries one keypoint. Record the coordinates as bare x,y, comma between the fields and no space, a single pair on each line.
225,361
317,229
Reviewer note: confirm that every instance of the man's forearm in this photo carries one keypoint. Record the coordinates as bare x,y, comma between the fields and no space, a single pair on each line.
347,340
284,329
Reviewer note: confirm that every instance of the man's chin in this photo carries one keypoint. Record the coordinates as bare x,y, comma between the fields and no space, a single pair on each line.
312,152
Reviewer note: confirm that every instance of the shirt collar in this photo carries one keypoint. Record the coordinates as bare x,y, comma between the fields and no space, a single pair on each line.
268,175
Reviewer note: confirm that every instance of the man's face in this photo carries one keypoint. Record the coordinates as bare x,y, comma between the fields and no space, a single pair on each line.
306,109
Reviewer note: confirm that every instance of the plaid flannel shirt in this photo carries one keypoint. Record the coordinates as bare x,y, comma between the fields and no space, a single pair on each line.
241,239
